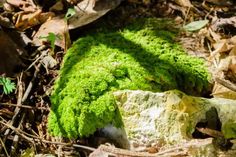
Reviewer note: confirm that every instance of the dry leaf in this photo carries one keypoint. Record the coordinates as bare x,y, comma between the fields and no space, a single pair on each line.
25,5
57,7
214,35
219,24
220,2
25,20
183,3
49,27
219,91
221,47
88,11
233,40
196,25
99,153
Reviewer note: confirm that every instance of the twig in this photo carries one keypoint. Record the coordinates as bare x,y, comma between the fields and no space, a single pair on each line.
29,88
16,137
21,100
210,132
16,131
38,139
211,53
174,151
187,145
226,83
36,60
25,106
3,145
17,109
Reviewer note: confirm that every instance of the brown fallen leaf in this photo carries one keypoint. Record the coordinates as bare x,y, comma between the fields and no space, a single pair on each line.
221,46
61,32
99,153
25,20
184,3
221,23
220,91
230,73
88,11
233,40
220,2
25,5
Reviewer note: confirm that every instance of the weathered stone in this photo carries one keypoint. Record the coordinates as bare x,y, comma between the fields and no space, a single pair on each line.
172,116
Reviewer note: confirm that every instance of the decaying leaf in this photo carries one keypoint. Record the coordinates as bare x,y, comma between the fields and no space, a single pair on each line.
99,153
221,91
24,5
57,7
49,62
222,23
88,11
25,20
49,27
224,45
184,3
196,25
220,2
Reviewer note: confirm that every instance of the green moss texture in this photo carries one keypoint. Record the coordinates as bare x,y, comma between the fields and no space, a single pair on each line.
141,56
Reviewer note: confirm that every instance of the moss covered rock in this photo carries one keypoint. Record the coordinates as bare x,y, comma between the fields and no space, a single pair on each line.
141,56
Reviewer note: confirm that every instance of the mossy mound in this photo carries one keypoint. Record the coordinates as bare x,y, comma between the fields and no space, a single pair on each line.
141,56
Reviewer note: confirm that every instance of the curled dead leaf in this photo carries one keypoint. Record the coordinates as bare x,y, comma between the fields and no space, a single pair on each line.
25,20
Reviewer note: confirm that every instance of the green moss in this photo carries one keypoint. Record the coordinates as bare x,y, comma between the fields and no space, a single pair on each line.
229,129
141,56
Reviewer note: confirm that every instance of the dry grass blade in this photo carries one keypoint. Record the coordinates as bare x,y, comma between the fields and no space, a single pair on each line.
32,138
4,147
25,106
226,83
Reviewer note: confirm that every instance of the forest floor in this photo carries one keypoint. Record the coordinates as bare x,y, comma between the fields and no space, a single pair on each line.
28,68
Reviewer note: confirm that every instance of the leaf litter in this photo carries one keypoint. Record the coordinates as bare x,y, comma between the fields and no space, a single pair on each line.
24,112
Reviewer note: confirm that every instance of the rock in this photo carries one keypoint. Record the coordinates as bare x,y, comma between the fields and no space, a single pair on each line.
172,116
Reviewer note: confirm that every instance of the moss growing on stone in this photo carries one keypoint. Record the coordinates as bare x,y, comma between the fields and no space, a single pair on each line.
141,56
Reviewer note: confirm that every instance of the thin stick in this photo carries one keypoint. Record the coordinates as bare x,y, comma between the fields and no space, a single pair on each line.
226,83
36,60
29,88
25,106
38,139
3,145
16,130
17,109
19,99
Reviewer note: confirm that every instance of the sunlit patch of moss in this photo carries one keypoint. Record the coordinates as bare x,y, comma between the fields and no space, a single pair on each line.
141,56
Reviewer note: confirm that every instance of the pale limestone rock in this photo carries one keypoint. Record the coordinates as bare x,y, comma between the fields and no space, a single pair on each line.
172,116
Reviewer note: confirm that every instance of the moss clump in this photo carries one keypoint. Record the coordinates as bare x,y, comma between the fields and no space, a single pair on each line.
141,56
